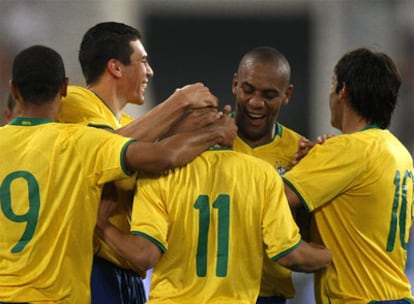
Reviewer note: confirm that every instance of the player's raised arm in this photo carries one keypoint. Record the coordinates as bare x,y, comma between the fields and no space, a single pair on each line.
179,149
169,112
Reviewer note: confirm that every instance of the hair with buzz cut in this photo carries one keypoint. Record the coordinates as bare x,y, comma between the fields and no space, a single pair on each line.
38,73
102,42
372,83
267,54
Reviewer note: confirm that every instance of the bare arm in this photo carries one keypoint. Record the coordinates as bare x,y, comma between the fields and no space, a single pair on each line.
293,199
179,149
154,123
140,252
307,257
193,119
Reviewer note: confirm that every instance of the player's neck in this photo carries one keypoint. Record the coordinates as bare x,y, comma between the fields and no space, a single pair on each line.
109,96
48,110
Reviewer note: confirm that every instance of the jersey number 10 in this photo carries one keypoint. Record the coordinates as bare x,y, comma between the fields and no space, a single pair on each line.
400,194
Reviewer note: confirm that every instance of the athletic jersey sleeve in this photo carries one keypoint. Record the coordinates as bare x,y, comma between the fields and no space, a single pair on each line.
149,213
315,178
107,160
278,218
82,106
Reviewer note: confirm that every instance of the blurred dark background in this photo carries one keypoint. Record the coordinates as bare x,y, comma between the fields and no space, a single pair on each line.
207,48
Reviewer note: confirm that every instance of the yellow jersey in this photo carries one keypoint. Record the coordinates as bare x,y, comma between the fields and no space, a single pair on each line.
276,279
83,106
360,189
211,219
47,170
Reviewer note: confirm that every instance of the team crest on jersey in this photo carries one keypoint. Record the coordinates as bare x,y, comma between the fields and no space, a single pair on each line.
280,170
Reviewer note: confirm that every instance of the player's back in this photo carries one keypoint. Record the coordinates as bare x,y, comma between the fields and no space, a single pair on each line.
217,212
47,171
363,188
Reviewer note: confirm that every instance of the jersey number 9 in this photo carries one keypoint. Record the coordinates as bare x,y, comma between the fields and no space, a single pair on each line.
32,214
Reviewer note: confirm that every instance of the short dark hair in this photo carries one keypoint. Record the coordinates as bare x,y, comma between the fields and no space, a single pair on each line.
38,73
372,81
102,42
267,54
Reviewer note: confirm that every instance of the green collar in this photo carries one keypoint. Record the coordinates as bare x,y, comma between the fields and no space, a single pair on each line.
25,121
373,126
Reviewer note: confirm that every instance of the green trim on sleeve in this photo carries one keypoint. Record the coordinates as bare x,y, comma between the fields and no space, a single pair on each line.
123,151
305,205
144,235
100,126
217,148
282,254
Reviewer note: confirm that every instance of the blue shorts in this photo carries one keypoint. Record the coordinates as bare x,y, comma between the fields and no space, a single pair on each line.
271,300
113,285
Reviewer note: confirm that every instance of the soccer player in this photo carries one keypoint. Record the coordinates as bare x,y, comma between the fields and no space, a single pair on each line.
261,87
116,69
204,230
359,187
47,171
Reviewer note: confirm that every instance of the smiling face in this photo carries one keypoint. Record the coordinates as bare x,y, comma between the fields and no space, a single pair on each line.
260,88
136,74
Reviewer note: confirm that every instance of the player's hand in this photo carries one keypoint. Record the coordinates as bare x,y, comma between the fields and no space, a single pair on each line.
193,119
196,95
228,128
305,145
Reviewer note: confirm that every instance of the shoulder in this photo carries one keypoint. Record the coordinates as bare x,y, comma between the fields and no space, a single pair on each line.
126,119
78,94
242,161
285,132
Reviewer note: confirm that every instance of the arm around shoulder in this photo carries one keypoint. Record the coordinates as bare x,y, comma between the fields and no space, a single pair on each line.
139,251
307,257
179,149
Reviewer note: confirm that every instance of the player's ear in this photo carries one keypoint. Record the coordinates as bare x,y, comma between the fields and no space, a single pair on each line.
64,89
114,67
234,84
288,94
343,93
13,90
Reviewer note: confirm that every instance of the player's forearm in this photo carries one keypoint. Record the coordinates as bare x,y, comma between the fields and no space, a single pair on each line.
136,249
154,123
185,146
179,149
307,257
